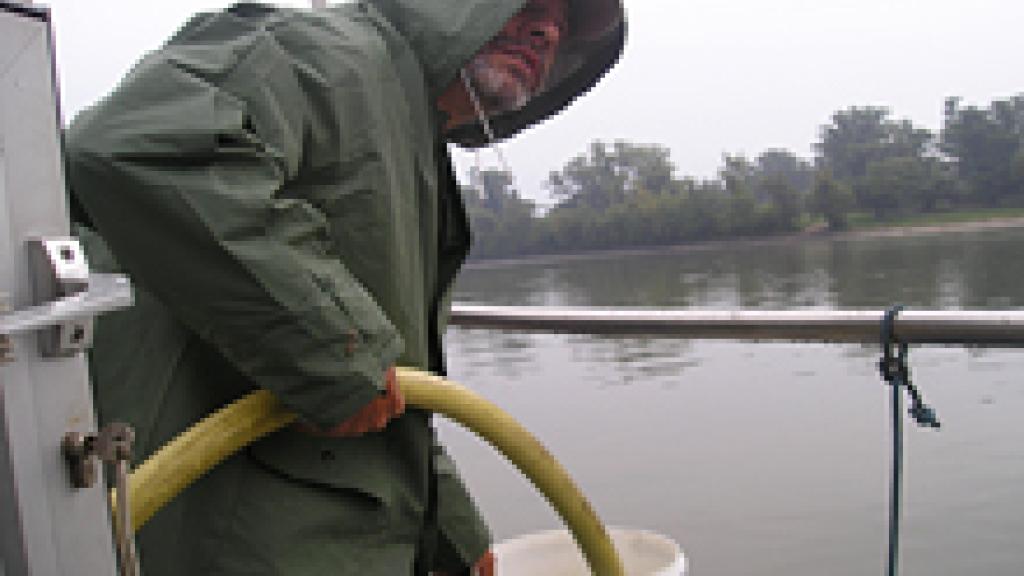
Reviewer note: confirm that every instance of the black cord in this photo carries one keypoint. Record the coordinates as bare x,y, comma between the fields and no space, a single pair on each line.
891,366
896,373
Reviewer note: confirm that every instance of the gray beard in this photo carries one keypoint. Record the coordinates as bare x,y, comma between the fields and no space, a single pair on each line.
490,84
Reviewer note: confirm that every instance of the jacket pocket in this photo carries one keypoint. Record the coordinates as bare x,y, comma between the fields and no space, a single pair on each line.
336,463
292,509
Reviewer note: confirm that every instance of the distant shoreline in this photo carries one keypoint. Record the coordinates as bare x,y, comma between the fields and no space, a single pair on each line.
856,234
923,229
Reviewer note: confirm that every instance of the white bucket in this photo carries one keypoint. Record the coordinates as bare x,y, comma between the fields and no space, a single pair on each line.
555,553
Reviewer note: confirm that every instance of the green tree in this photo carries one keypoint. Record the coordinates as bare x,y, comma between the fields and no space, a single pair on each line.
778,164
895,186
742,213
784,206
832,199
985,145
861,136
853,140
503,222
609,173
646,167
765,196
591,180
614,195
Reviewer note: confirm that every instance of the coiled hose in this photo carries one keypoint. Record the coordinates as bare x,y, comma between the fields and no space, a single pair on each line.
180,462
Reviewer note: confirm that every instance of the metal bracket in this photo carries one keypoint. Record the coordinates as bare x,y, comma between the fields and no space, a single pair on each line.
66,297
59,270
106,292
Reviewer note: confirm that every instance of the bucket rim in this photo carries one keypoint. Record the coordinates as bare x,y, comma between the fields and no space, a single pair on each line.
522,543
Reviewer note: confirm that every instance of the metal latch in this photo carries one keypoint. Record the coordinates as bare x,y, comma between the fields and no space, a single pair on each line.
66,297
113,446
59,270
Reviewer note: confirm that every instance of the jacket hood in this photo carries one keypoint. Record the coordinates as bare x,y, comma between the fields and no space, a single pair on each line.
446,34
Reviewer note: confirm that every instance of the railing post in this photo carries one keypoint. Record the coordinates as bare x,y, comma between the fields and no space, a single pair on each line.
47,526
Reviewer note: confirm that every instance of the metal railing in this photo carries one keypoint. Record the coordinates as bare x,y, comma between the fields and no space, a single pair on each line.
1002,328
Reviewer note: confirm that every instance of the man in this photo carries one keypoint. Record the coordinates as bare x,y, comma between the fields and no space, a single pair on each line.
277,184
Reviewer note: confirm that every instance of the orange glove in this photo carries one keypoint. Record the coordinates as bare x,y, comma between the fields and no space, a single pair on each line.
483,567
371,418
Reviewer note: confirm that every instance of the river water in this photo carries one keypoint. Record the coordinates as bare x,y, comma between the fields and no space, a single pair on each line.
762,458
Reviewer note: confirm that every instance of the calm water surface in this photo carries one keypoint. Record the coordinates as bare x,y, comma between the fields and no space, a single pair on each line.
762,458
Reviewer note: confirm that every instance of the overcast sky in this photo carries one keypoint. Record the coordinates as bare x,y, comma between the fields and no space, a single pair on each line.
703,77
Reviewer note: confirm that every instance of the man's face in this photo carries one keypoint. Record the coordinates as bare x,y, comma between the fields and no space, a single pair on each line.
515,64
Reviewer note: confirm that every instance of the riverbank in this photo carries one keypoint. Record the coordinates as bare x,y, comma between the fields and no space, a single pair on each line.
877,231
935,228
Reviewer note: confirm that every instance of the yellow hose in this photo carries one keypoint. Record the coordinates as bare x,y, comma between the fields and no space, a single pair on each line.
204,445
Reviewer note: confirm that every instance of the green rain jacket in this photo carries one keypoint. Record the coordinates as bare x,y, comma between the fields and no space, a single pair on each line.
276,185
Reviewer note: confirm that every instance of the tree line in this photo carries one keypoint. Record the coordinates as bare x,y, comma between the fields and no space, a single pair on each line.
867,166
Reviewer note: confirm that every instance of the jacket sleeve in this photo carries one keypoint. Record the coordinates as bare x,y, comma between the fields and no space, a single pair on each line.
182,171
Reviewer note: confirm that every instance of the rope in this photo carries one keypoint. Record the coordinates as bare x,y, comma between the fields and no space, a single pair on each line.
485,123
896,373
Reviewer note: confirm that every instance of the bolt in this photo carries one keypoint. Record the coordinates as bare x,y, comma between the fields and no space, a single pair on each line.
5,349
